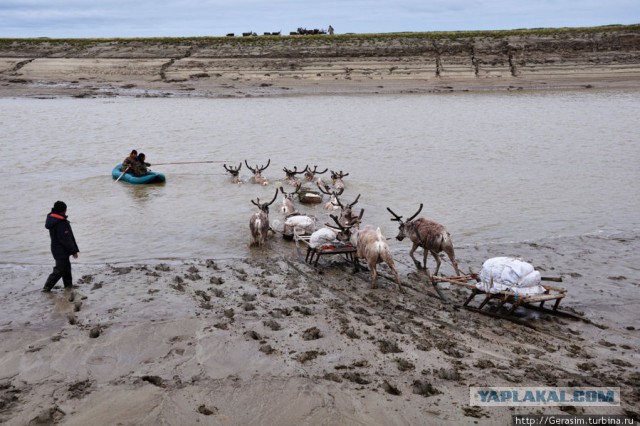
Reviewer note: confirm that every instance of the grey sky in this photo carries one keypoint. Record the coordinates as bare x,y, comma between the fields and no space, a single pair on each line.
183,18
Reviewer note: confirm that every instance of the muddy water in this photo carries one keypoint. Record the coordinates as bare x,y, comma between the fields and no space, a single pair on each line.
492,167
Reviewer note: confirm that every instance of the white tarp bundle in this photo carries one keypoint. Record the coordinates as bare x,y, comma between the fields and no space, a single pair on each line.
509,274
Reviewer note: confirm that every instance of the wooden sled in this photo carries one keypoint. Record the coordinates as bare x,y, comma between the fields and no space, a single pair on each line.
512,300
314,253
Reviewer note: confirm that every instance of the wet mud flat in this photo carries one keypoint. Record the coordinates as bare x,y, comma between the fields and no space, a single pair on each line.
270,339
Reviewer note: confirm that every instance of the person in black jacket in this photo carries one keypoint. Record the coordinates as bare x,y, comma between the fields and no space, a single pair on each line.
63,245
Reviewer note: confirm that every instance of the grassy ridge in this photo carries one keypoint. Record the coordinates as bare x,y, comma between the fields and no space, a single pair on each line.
348,38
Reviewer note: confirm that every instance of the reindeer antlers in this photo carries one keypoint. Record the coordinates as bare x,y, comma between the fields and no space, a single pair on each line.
259,169
263,206
290,194
311,173
354,201
233,171
292,173
399,218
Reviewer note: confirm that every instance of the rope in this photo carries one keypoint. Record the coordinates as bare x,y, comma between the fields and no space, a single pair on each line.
193,162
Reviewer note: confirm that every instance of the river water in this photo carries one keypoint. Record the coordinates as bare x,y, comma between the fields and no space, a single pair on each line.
496,167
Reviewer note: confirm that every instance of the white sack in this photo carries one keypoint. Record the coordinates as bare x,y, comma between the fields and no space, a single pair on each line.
509,274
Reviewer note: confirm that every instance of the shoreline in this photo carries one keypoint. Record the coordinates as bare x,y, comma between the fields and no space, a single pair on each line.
272,338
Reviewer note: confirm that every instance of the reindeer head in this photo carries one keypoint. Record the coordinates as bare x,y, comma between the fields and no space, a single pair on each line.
347,211
257,172
311,174
337,175
291,174
344,231
403,224
234,172
290,195
264,207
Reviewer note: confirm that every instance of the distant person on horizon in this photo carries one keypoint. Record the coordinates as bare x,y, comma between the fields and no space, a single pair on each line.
63,245
127,164
330,30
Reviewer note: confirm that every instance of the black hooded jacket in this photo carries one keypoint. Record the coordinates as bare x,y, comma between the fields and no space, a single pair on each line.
63,243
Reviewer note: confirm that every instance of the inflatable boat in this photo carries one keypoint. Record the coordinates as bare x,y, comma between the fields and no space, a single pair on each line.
151,177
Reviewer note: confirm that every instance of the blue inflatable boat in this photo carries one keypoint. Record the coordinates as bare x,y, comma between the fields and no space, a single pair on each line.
151,177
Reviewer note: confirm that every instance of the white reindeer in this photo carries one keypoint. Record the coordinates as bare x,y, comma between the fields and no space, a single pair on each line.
287,200
259,222
371,246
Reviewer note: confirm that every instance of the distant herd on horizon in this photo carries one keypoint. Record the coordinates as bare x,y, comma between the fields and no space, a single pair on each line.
299,31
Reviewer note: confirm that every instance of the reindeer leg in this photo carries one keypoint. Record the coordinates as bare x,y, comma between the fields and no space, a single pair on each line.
452,258
374,275
392,266
438,261
415,261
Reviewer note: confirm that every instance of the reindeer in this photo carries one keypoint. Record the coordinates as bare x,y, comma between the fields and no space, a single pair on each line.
311,174
333,203
346,215
291,178
371,246
338,184
287,201
428,234
330,234
235,173
259,222
257,173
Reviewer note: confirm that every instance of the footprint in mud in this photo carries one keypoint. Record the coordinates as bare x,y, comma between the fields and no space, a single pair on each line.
49,416
388,347
79,389
356,377
253,335
272,324
163,267
86,279
405,365
267,349
312,333
121,270
424,388
307,356
390,389
203,409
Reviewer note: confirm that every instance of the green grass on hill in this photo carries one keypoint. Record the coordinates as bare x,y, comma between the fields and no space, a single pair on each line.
346,38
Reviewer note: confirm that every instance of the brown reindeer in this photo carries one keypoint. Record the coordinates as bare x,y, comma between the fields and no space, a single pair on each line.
259,222
336,177
291,178
257,173
428,234
346,215
235,173
310,175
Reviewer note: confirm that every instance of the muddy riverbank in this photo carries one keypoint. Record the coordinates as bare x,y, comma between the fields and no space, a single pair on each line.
606,57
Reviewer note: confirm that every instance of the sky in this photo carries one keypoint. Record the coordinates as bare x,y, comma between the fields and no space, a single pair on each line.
187,18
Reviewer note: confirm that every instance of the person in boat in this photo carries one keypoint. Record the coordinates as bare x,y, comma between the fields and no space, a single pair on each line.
127,164
63,245
139,167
